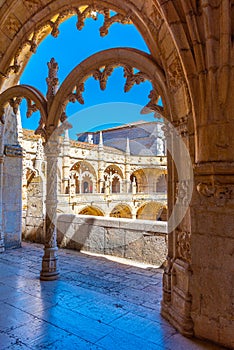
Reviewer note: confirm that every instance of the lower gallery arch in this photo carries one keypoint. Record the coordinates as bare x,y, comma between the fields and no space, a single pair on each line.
150,211
91,210
121,211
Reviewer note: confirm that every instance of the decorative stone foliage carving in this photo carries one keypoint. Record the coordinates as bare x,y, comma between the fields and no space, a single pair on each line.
182,126
32,4
217,194
132,79
52,80
183,245
182,192
31,108
103,75
77,94
14,103
13,25
157,17
14,66
92,11
175,75
153,105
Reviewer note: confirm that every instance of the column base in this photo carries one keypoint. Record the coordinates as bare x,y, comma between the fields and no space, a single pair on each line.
182,324
49,271
176,303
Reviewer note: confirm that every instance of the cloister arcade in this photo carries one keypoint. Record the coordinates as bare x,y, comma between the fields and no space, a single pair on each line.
82,186
190,66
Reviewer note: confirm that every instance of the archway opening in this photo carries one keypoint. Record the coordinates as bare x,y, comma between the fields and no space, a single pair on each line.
121,211
93,211
150,211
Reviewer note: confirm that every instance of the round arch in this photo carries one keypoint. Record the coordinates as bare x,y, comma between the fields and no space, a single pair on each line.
113,177
149,211
114,169
121,211
91,210
85,177
83,165
146,179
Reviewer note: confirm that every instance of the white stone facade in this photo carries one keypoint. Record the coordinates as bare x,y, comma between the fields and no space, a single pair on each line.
92,180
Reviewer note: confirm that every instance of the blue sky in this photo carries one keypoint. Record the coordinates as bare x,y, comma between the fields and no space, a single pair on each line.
69,49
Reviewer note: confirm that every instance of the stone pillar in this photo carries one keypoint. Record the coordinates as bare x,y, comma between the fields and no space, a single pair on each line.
66,162
127,178
127,167
177,300
2,245
80,181
49,270
101,165
134,185
212,252
12,203
101,180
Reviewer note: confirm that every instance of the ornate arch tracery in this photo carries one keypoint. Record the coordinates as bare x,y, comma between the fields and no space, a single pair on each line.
167,80
198,55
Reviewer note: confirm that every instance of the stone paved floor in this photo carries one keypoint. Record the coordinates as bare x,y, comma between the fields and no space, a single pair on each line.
96,304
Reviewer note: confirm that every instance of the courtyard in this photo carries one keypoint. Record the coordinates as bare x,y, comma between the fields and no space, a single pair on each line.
96,304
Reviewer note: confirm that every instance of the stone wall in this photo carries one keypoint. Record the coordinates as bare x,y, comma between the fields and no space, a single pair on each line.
12,203
139,240
34,215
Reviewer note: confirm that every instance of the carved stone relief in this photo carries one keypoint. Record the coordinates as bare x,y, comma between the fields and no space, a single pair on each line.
182,192
183,245
216,194
32,5
11,26
175,74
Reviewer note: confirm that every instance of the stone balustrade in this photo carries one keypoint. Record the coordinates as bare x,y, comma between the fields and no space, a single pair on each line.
140,240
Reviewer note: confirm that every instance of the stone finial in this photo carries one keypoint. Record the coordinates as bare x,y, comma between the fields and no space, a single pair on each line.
127,147
66,137
100,145
52,80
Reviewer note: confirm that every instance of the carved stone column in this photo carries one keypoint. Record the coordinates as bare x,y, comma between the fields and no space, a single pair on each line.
177,300
49,262
2,245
